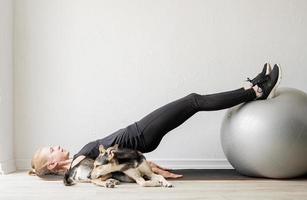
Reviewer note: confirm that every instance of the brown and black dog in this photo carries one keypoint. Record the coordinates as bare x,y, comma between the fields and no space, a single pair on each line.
128,161
114,165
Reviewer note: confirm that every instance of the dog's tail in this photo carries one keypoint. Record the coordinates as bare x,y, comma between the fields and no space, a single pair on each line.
67,180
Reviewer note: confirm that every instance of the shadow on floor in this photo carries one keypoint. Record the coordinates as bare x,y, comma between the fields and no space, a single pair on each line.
220,174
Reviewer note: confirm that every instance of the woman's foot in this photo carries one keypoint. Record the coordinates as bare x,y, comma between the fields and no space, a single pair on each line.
265,71
267,85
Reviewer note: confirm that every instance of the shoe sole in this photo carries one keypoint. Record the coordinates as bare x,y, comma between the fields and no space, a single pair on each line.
272,93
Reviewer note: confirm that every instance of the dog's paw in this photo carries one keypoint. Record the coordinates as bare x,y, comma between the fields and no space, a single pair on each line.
166,184
109,184
114,181
169,185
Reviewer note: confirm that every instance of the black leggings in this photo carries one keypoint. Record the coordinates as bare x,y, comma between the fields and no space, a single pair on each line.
164,119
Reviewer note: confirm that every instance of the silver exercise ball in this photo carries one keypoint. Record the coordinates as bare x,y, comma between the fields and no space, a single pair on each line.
268,138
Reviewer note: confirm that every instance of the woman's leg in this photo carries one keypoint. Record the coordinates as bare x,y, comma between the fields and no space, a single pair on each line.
164,119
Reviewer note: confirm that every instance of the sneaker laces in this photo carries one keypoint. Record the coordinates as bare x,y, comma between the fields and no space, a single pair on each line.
258,80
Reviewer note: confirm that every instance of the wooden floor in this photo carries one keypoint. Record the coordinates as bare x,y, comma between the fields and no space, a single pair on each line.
196,184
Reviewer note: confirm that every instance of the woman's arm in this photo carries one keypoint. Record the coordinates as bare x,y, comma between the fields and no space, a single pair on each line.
77,160
163,171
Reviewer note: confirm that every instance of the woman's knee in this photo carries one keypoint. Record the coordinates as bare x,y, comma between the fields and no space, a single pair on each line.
193,95
194,99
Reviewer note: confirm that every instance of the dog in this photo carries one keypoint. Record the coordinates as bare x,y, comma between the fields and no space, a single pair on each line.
128,161
81,173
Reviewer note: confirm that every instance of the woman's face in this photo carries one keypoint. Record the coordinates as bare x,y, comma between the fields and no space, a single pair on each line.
55,153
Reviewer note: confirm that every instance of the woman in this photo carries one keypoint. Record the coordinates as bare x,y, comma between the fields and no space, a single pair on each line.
146,134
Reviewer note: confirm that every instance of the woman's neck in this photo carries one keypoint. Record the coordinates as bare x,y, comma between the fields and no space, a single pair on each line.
67,164
64,166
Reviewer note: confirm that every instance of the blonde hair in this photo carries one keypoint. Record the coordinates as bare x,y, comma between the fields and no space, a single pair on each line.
39,164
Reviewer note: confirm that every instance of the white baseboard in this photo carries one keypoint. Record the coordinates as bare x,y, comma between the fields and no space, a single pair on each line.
7,166
194,163
25,164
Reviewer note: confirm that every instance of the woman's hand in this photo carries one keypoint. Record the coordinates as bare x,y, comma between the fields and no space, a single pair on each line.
162,171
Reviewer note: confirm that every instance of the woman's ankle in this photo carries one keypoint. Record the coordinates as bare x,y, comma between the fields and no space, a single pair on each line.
258,91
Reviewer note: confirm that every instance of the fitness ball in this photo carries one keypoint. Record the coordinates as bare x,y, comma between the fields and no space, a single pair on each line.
268,138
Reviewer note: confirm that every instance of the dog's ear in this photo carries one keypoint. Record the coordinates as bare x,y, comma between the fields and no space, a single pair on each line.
111,155
102,149
112,152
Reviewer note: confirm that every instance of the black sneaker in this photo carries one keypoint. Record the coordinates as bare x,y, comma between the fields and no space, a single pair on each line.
266,70
269,83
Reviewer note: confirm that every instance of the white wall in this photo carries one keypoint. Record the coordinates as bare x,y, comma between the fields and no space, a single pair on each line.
84,69
6,87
